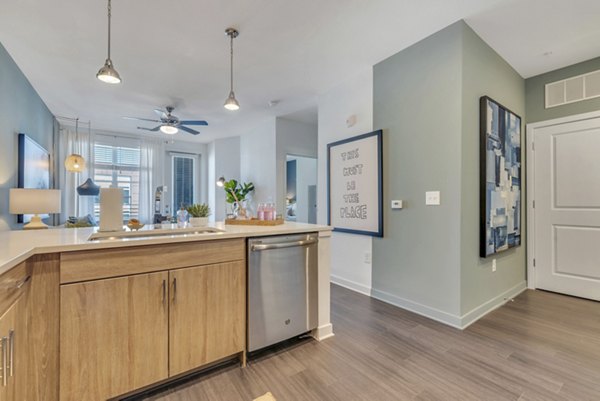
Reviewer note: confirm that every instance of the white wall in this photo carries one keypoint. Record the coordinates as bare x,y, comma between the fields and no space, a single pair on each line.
223,160
354,97
293,138
257,157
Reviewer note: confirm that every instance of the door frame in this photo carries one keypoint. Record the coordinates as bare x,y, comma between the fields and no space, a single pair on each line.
530,164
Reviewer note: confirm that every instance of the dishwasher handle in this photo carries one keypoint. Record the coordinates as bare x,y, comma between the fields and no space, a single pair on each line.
280,245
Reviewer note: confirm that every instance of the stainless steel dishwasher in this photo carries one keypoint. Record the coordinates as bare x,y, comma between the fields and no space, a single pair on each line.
282,288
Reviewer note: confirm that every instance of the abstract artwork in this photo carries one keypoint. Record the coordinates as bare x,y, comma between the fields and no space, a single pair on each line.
500,175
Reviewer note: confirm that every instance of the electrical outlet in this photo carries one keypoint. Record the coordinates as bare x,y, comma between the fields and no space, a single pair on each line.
493,265
368,258
432,198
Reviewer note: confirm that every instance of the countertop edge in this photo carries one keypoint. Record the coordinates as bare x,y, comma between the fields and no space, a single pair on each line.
27,252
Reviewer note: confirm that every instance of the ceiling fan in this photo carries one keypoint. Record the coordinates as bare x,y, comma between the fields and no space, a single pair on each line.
169,123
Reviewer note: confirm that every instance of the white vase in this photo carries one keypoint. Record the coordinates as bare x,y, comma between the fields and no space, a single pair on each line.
198,221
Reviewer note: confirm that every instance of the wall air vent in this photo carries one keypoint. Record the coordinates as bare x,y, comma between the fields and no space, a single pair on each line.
571,90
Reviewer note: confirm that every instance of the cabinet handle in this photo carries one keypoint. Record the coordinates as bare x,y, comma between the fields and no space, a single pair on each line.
174,289
164,292
22,282
4,362
11,351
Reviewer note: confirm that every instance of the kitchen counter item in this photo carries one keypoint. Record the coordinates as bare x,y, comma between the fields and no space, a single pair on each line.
254,222
111,209
282,288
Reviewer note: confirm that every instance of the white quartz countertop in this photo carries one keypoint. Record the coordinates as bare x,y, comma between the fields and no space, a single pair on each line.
17,246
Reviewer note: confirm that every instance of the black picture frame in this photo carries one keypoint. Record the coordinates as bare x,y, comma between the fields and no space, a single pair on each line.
368,187
500,178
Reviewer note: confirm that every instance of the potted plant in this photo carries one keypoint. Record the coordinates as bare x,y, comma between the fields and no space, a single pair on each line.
236,194
199,213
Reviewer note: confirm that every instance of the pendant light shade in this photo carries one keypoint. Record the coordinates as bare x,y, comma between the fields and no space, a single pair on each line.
108,73
88,188
75,163
231,103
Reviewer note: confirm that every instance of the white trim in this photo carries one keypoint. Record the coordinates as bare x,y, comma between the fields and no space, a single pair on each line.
530,133
351,285
477,313
420,309
322,332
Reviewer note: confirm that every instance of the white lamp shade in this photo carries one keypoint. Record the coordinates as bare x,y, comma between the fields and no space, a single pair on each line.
34,201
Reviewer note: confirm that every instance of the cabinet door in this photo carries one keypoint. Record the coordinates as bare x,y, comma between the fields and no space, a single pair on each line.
7,324
207,314
113,336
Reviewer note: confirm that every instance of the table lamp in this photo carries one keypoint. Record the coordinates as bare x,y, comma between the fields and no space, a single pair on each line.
36,202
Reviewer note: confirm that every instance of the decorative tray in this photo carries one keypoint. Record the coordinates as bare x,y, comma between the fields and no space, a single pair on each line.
255,222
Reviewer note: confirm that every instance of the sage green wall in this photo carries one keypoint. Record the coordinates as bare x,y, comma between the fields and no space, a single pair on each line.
416,100
535,91
21,111
485,73
426,99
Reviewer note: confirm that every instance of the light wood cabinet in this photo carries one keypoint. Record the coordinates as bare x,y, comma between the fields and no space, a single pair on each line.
7,324
114,336
207,314
123,328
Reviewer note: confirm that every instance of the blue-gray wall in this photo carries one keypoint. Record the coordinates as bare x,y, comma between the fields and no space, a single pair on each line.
21,111
426,99
535,91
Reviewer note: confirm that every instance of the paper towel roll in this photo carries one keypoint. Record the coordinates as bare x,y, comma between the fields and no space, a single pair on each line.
111,209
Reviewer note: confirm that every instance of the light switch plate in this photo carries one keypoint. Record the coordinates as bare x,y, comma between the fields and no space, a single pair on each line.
396,204
432,198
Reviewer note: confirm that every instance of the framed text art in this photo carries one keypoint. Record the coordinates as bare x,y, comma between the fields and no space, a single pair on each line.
500,178
355,184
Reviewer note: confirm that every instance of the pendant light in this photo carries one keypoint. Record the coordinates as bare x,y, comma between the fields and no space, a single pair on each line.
89,187
231,103
108,73
75,163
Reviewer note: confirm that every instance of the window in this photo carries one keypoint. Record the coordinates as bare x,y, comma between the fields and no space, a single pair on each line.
118,167
184,179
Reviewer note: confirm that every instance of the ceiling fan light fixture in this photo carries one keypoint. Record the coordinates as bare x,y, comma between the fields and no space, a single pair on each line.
108,73
168,129
231,103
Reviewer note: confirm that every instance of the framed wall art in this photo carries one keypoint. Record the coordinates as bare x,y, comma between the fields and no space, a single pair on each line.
500,178
355,184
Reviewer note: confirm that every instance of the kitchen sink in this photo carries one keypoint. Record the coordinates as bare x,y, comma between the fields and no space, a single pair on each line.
150,231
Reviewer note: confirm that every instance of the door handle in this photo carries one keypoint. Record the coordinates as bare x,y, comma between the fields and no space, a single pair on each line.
164,292
174,289
11,351
4,362
22,282
264,247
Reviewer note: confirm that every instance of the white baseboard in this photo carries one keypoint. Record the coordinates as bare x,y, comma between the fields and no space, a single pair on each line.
351,285
420,309
475,314
323,332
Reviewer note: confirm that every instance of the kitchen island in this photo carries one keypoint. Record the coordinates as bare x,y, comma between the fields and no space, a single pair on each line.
93,319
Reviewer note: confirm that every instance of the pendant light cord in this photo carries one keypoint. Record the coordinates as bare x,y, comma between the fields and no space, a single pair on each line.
109,15
231,62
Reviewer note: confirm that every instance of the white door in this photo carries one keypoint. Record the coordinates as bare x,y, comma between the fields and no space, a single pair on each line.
566,184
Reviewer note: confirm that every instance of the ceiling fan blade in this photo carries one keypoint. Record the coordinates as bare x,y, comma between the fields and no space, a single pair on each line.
193,122
151,129
141,119
161,113
189,130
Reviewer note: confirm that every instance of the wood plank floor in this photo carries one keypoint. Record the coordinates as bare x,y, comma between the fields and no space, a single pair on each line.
542,346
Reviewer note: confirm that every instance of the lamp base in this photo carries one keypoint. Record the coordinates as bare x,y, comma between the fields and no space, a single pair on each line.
36,223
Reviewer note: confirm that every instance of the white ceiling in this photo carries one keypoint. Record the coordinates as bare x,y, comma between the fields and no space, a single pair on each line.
176,52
